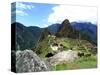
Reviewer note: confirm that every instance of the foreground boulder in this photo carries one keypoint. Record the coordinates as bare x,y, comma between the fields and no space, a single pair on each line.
63,57
28,61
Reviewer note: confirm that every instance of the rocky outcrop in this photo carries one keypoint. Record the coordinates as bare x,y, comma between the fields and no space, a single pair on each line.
28,61
65,30
63,57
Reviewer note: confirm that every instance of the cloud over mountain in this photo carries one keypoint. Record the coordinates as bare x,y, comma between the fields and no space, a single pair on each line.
73,13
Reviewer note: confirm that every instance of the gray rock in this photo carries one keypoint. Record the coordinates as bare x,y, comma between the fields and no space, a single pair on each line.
63,57
28,61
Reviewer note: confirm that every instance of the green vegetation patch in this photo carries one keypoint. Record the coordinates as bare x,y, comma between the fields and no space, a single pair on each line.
82,63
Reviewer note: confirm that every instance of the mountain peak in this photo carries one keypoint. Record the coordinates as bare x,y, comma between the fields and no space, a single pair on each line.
65,22
65,29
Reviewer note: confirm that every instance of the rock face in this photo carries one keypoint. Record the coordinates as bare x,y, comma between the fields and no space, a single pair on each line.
28,61
63,57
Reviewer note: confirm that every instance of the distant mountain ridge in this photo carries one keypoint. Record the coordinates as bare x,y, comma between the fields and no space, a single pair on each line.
87,28
82,26
54,28
28,37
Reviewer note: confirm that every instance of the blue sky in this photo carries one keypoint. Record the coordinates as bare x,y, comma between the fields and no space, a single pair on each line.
32,14
42,15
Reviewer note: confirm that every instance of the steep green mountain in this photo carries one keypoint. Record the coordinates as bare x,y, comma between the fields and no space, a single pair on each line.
25,37
44,34
81,30
66,30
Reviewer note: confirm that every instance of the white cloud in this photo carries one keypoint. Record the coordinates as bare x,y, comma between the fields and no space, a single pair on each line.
22,13
23,6
19,12
73,13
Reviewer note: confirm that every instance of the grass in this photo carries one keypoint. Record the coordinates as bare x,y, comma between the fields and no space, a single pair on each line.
82,63
44,48
68,43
